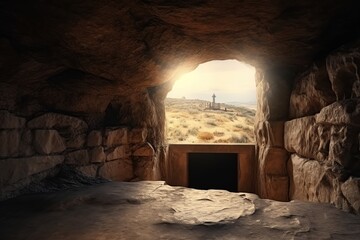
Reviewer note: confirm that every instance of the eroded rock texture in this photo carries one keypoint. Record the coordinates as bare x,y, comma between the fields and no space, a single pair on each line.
152,210
327,142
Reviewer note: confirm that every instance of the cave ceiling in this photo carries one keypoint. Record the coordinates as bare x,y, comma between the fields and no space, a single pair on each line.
109,45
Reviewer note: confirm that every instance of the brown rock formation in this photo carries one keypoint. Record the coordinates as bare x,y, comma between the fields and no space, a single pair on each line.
91,77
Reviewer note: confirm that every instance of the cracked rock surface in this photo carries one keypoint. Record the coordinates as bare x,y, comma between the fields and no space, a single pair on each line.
153,210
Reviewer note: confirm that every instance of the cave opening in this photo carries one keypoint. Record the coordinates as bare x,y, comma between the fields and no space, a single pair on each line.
215,103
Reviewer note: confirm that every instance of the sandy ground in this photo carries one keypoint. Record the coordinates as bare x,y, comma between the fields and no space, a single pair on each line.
188,121
152,210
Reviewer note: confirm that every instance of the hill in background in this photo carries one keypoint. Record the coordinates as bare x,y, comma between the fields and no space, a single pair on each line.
187,121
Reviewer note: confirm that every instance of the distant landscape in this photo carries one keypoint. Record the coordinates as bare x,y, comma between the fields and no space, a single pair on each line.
188,121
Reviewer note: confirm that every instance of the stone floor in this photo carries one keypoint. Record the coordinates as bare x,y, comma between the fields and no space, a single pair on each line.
152,210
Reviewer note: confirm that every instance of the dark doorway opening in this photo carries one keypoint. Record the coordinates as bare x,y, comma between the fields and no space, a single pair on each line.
213,171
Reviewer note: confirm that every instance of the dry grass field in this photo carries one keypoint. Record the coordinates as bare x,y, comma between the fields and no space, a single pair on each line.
188,121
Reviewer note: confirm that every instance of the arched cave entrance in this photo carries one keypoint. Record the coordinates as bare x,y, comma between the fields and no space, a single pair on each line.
193,118
89,93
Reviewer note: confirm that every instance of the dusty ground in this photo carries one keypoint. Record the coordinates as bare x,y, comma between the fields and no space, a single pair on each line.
152,210
188,121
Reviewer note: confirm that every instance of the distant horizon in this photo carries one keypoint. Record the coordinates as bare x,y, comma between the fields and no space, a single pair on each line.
229,80
210,100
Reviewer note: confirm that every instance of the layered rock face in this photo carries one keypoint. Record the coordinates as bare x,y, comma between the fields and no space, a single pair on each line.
324,134
36,148
82,83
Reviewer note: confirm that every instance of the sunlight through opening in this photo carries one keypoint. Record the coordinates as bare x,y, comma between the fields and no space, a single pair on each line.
215,103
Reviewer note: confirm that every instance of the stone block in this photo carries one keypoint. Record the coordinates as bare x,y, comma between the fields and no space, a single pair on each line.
78,157
351,190
75,142
97,155
67,125
94,139
311,92
11,121
301,137
270,133
89,170
346,112
15,169
118,170
9,143
138,135
305,177
145,150
48,141
277,187
275,160
344,147
116,153
115,137
26,148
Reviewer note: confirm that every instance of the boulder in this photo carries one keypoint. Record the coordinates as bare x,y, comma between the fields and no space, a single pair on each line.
78,157
48,142
301,137
94,138
115,137
11,121
67,125
97,154
15,169
346,112
118,170
311,92
305,178
312,181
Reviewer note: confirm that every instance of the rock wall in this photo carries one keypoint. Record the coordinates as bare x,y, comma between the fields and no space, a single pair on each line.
324,133
273,92
33,148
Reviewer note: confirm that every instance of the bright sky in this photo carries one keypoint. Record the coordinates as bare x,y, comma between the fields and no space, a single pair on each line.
230,80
